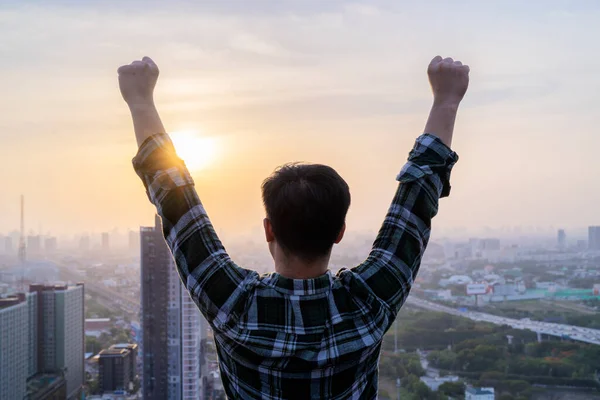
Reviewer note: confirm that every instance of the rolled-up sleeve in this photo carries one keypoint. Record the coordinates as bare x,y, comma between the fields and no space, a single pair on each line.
429,157
159,168
394,260
216,284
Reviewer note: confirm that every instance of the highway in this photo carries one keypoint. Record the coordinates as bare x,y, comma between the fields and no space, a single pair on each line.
124,302
571,332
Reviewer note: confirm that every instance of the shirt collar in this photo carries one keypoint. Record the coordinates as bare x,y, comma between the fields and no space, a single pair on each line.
302,287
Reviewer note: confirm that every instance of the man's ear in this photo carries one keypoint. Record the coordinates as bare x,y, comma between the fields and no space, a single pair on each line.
268,230
341,234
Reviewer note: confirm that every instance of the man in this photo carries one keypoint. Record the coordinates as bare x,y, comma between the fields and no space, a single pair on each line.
300,332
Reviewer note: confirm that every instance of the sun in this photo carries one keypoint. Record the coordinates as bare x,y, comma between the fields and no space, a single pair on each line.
197,151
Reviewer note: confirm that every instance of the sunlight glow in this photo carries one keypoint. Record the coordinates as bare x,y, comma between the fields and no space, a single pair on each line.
197,151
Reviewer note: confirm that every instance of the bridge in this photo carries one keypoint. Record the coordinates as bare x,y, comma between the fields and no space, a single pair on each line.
562,331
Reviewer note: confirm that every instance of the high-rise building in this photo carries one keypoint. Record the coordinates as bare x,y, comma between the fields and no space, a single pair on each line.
50,245
594,237
562,239
8,245
60,333
134,241
34,244
42,343
133,351
155,261
171,323
184,337
490,244
84,243
105,242
117,368
14,366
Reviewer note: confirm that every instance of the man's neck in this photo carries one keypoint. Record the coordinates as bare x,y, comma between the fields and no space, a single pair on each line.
295,268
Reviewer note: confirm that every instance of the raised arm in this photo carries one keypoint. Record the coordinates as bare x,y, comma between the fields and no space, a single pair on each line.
449,81
137,81
394,261
214,282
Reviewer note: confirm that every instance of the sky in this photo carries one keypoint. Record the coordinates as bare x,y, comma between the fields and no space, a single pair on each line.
267,82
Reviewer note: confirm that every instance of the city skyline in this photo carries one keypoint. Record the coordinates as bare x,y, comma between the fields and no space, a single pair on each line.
254,232
258,85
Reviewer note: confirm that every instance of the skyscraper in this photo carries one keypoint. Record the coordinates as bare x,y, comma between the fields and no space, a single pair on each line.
490,244
594,237
42,341
34,244
562,239
8,245
60,330
84,243
14,366
105,242
171,323
134,241
50,245
184,335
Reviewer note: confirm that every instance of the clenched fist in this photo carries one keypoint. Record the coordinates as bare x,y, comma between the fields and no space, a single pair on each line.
449,80
137,81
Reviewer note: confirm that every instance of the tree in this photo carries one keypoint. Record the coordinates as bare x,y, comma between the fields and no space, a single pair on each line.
422,390
517,387
452,389
414,367
386,368
506,396
92,345
93,387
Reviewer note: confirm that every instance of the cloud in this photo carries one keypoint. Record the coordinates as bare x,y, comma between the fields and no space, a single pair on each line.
362,9
247,42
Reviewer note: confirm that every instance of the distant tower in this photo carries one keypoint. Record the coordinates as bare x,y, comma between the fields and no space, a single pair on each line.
105,242
594,238
562,239
22,247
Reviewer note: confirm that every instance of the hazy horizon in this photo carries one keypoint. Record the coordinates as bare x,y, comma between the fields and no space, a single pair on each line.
338,83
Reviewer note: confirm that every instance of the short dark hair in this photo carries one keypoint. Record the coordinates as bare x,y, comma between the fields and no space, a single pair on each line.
307,206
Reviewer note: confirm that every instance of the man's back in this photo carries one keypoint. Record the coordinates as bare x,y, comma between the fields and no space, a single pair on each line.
314,338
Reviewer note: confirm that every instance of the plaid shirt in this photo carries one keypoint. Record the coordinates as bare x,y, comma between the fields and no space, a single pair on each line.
280,338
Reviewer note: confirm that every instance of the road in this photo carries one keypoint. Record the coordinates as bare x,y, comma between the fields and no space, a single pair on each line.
571,332
124,302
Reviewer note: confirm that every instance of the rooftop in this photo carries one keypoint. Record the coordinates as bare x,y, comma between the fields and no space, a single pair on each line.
114,353
97,320
129,346
12,300
40,385
41,287
474,390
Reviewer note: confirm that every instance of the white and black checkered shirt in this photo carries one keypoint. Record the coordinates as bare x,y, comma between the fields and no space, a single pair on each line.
280,338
